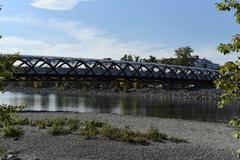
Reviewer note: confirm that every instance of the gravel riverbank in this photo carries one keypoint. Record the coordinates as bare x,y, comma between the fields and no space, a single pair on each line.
206,141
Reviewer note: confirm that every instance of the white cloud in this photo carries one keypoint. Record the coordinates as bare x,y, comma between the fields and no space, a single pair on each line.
56,4
89,42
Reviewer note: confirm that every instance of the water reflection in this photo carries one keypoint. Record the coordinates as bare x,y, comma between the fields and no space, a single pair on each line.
127,105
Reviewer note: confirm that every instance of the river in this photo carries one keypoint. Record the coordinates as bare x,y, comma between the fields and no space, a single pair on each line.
126,105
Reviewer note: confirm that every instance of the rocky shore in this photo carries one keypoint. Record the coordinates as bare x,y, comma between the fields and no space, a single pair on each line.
197,94
206,141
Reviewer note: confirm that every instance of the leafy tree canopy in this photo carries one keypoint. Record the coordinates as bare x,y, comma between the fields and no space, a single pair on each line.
230,82
184,57
184,52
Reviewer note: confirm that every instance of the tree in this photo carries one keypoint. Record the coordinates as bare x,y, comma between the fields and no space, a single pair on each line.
184,57
151,59
7,113
170,61
6,68
132,58
137,58
230,82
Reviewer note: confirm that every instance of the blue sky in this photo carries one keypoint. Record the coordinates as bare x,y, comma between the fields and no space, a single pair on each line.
111,28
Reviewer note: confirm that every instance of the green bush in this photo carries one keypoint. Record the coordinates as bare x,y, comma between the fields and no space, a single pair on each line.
177,140
8,114
2,152
42,123
95,123
110,132
73,124
59,121
11,131
89,131
154,135
58,130
22,121
128,135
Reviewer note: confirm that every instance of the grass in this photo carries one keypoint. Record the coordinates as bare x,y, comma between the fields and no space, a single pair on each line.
110,132
12,131
22,121
58,126
95,123
58,130
91,129
45,123
177,140
2,152
73,124
42,123
154,135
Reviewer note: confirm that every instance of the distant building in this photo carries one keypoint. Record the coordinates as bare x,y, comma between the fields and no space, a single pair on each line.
195,62
204,63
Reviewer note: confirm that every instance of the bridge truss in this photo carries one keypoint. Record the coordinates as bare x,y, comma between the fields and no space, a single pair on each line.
33,68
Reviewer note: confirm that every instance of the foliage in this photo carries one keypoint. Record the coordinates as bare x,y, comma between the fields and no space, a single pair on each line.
59,126
95,128
177,140
73,124
229,83
6,67
2,152
151,59
154,135
42,123
130,57
22,121
11,131
170,61
184,52
58,130
94,123
89,131
8,114
110,132
184,57
230,71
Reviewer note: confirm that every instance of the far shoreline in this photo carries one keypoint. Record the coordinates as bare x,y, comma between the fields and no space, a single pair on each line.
210,94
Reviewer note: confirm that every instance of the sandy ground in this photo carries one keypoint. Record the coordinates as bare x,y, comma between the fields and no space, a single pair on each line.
205,140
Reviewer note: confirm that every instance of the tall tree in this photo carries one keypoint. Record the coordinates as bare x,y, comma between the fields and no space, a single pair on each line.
230,82
184,56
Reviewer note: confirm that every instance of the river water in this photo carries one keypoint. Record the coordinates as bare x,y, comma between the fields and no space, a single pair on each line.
126,105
